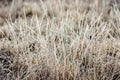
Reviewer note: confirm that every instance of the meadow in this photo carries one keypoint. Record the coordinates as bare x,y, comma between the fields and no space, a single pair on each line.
61,40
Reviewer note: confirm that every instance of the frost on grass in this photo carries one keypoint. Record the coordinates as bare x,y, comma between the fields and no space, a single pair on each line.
61,44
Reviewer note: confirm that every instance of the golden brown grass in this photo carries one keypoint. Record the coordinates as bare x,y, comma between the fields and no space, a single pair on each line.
63,43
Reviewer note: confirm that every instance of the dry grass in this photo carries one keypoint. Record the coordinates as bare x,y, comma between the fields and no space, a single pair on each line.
62,43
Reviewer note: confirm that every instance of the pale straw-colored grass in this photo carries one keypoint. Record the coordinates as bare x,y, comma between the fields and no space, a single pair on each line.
62,44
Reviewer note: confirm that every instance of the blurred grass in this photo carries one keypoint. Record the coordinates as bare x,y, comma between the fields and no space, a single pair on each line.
63,43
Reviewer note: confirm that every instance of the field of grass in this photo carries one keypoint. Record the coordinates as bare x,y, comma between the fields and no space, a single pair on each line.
62,43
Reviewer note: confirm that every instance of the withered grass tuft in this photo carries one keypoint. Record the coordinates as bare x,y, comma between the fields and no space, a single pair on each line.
68,40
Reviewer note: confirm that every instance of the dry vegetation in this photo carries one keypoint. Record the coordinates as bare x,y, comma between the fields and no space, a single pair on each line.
60,40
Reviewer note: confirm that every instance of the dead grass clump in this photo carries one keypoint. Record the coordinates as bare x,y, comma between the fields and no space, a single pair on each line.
10,68
62,43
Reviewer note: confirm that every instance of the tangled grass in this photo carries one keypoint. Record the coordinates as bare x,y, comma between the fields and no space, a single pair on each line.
61,44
